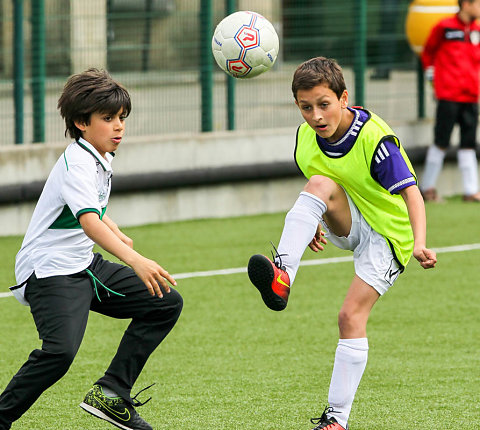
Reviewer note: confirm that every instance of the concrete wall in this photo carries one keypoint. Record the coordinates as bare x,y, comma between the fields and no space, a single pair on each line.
29,163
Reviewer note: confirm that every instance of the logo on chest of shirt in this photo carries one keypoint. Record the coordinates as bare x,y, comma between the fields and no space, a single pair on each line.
103,183
454,34
475,37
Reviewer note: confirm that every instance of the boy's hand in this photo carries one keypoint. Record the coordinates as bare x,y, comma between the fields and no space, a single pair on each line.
152,275
316,243
426,257
429,73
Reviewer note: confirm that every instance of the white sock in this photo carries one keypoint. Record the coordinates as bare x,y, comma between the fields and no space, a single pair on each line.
109,392
350,361
433,167
300,227
467,163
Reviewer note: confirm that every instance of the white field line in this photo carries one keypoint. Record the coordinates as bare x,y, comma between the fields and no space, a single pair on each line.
318,262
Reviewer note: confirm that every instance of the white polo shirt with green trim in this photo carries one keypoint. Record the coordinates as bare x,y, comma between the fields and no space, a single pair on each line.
55,243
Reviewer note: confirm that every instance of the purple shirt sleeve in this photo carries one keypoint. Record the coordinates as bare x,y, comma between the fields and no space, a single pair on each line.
390,169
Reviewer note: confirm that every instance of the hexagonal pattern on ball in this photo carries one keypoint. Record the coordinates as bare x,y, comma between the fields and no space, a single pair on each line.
245,44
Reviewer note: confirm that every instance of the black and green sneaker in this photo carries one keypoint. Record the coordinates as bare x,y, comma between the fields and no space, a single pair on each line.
114,410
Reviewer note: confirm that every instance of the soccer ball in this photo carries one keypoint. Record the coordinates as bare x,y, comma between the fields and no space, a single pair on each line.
245,44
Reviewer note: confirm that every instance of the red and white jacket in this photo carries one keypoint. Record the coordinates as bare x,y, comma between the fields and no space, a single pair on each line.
453,49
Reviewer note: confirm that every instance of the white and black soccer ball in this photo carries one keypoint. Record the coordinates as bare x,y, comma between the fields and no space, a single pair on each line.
245,44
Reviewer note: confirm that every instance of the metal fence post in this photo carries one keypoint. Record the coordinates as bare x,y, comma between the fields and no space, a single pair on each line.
38,69
420,90
147,35
360,52
18,79
206,64
230,8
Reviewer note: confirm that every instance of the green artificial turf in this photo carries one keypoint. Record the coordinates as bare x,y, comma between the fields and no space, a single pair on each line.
230,363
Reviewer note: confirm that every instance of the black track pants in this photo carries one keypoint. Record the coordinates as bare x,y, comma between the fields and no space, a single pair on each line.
60,306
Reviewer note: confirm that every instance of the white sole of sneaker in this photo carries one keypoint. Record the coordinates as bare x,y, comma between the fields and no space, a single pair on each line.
101,415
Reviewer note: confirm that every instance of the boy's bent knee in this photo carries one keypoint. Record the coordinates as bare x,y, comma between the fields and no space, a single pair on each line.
59,359
175,298
351,325
176,302
170,308
322,187
344,320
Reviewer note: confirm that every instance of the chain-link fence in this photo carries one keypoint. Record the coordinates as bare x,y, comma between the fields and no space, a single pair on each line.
153,48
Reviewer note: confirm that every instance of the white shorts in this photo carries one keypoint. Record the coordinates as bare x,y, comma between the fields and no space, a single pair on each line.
372,257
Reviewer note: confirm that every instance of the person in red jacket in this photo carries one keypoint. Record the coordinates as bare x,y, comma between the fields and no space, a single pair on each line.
451,57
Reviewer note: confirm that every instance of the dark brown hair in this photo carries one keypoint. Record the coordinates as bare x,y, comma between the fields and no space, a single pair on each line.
88,92
317,71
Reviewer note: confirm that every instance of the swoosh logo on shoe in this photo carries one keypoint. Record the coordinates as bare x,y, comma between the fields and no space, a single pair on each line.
279,280
124,416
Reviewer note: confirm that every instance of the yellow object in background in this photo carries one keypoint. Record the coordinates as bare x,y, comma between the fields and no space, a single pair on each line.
421,18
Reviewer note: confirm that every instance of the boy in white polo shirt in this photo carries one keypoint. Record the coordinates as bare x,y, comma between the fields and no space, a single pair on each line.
61,278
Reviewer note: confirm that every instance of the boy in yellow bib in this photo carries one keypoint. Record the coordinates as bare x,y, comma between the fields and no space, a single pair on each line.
362,195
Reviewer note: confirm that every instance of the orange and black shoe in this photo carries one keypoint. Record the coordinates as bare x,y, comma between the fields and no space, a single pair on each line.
326,423
271,280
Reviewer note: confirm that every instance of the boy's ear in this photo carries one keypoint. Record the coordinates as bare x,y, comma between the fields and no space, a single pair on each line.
80,125
344,99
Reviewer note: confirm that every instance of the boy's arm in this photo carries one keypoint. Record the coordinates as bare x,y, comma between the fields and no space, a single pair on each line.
416,212
114,227
431,46
147,270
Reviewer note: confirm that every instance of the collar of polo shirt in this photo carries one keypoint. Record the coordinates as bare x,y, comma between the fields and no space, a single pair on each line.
105,163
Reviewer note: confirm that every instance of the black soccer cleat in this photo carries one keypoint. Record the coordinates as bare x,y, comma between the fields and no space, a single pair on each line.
271,280
325,423
114,410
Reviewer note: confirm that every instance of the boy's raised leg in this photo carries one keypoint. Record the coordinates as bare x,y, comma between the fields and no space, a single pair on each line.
273,279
